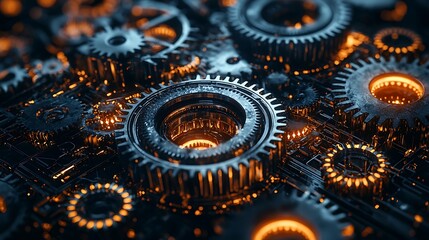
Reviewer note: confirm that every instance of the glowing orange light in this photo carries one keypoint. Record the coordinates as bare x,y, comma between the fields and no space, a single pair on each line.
199,144
10,7
284,226
396,88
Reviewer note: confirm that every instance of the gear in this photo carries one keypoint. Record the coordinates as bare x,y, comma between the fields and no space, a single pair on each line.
173,138
99,206
381,95
12,208
12,79
46,118
168,34
301,33
355,169
223,59
290,217
399,41
100,121
52,69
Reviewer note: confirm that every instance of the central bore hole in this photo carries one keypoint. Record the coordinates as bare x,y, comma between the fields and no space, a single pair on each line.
117,40
398,40
284,229
201,123
356,162
100,205
295,13
396,88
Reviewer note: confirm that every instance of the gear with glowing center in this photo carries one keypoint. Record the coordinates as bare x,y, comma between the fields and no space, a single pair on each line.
290,217
299,33
399,41
202,138
381,95
355,169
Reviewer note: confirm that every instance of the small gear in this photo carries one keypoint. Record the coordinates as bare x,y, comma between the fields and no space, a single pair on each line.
297,33
381,95
290,217
174,138
12,208
355,169
12,79
99,207
112,56
52,69
223,59
399,41
99,122
46,118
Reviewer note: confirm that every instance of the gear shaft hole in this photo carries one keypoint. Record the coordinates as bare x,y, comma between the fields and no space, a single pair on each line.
396,88
117,40
284,229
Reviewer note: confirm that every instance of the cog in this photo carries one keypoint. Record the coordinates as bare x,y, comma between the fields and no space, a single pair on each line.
387,93
300,33
13,78
99,206
100,121
355,169
52,68
46,118
116,43
183,138
12,208
290,217
399,41
223,59
301,99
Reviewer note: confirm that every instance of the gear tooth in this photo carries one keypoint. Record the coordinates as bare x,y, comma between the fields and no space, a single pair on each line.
351,108
341,96
217,78
245,83
372,60
343,103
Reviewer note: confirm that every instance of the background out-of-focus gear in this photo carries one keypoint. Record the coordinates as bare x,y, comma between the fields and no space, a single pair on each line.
52,69
192,135
290,217
299,34
13,79
398,41
385,95
46,118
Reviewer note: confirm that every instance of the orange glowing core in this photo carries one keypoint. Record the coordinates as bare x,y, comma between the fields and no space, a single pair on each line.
284,229
396,88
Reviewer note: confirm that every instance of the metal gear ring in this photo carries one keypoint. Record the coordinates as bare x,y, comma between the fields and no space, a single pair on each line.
297,33
203,137
363,171
290,217
384,93
99,206
399,41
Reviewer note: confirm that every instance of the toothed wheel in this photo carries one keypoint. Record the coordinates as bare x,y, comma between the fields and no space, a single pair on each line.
355,169
201,138
381,95
398,41
46,118
301,99
99,207
12,79
299,33
289,217
52,69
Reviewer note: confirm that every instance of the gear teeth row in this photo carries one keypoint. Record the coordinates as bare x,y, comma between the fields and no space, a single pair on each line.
155,168
358,109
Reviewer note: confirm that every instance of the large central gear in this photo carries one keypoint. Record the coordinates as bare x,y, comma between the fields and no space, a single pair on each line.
298,33
290,217
384,95
202,138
